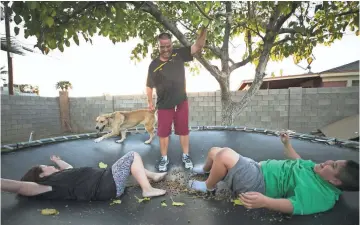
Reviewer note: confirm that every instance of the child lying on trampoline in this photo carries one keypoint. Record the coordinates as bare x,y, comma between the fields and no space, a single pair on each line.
84,183
294,186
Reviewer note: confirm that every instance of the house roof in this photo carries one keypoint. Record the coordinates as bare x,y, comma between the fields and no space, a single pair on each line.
350,67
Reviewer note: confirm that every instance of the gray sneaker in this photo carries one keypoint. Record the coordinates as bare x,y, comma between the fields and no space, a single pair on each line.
162,167
187,162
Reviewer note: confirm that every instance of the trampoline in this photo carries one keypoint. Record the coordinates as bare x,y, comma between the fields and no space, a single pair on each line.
81,150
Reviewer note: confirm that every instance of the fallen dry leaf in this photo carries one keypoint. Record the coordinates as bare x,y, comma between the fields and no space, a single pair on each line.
116,202
47,212
102,165
237,202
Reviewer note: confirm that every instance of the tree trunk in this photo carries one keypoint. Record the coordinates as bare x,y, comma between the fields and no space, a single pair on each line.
258,80
226,102
7,33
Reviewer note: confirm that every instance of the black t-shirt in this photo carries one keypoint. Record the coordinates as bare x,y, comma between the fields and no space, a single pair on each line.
168,78
85,183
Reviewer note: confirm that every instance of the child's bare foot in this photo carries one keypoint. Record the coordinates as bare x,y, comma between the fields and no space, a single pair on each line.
158,176
153,192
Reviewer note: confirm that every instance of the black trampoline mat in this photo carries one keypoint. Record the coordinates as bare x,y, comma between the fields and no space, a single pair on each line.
20,210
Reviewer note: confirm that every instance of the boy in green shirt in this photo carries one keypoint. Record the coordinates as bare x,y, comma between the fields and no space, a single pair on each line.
295,186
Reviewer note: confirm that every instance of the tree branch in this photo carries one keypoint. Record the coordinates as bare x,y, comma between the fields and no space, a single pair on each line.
281,20
202,12
75,13
153,10
240,64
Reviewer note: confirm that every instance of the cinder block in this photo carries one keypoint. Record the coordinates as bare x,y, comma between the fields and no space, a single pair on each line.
280,108
256,108
268,97
274,102
295,102
310,90
263,92
324,90
324,102
262,102
284,113
203,94
256,97
274,91
281,97
351,101
283,102
295,96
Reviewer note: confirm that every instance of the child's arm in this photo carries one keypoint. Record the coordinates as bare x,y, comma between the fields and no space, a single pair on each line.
61,164
289,151
23,188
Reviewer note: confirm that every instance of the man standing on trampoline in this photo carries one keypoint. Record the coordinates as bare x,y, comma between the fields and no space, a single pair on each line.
166,74
295,186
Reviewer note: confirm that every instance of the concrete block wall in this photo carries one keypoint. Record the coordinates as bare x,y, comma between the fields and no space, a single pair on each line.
299,109
20,115
83,111
267,109
323,106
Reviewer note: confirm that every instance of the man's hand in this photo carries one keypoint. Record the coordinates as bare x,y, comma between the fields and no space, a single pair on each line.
151,106
253,200
55,158
284,137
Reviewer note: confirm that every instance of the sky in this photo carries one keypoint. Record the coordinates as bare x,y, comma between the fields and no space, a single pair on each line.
104,67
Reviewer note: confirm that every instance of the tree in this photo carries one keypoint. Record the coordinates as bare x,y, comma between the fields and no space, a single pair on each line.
63,85
10,44
271,31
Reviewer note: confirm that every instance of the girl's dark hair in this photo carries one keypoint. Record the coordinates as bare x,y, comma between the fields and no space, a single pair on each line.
33,175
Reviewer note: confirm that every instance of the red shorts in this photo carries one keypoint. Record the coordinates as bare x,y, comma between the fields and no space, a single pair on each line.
180,117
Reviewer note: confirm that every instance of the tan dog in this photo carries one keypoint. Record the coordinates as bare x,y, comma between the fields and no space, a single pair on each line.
119,121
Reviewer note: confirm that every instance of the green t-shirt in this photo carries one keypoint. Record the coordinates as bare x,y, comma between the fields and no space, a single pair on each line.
297,181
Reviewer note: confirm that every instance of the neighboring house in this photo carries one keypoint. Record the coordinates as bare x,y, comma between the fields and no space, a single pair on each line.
20,89
343,76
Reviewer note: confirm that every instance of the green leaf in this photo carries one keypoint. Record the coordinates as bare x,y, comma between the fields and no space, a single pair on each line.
178,204
102,165
76,39
118,201
163,203
52,44
61,47
140,200
237,202
26,34
67,43
33,5
17,19
49,21
16,30
53,13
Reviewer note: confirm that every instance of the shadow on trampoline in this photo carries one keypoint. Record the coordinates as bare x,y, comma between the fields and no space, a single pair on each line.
84,152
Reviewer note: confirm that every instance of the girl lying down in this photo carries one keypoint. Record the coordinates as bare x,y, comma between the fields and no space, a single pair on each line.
84,183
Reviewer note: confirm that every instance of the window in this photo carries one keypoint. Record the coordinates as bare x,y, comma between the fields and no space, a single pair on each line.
355,83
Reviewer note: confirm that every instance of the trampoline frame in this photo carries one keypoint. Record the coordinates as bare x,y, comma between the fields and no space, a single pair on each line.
301,136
